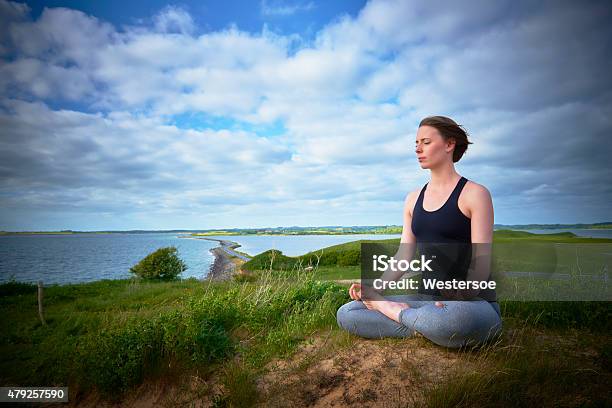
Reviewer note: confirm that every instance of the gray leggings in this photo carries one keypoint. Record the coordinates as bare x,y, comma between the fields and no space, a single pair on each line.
457,324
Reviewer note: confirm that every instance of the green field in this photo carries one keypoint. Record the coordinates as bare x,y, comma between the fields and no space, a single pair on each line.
525,266
107,338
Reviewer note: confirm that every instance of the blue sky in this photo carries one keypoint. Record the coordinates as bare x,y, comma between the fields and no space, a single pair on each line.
305,18
194,115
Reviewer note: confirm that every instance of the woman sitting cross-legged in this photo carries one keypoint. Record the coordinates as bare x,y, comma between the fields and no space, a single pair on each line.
448,210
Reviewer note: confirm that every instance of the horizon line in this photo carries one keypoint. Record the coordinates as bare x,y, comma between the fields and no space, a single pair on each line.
289,227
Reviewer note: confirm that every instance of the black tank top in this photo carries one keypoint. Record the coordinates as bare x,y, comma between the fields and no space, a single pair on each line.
445,225
445,233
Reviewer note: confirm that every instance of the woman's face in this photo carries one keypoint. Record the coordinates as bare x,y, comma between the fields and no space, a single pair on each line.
431,148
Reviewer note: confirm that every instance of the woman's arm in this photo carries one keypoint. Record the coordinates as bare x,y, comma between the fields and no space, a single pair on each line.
480,205
481,209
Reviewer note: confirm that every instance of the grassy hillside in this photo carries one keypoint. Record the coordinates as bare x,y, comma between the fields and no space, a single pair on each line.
561,237
109,336
575,261
274,341
348,254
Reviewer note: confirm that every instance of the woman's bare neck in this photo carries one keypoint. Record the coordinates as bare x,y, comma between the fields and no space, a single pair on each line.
443,179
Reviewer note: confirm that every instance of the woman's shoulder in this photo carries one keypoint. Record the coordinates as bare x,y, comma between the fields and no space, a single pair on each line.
413,195
411,199
475,188
475,192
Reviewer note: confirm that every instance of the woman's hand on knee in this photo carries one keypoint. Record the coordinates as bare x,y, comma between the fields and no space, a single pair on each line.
355,291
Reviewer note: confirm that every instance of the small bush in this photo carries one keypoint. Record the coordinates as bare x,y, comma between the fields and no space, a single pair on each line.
163,264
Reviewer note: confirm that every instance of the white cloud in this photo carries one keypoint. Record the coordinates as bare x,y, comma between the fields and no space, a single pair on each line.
174,19
32,76
529,83
63,36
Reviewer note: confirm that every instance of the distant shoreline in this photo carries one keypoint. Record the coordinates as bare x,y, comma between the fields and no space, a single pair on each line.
228,260
323,230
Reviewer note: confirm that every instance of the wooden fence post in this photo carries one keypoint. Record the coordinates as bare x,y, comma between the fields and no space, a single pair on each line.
40,305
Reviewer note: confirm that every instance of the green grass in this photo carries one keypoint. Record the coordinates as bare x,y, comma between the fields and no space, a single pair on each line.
527,244
532,368
561,237
561,253
347,254
112,335
338,272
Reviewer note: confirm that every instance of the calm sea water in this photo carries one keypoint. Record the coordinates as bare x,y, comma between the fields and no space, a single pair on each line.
89,257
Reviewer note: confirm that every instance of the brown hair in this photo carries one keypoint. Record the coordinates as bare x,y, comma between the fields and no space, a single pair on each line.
449,129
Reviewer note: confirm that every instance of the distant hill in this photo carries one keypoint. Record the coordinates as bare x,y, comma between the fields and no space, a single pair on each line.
599,225
349,253
323,230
